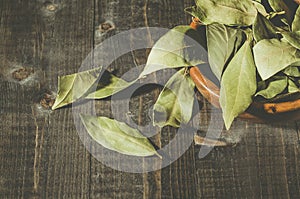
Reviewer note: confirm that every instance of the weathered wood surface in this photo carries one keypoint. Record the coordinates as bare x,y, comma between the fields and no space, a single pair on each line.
41,154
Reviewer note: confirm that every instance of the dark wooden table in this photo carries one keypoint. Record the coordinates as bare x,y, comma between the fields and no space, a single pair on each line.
41,154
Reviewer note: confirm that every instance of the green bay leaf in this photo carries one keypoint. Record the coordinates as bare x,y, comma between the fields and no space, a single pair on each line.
297,64
293,38
228,12
296,21
174,105
263,28
292,87
238,84
274,88
260,8
273,55
292,71
75,86
118,136
108,85
181,46
222,43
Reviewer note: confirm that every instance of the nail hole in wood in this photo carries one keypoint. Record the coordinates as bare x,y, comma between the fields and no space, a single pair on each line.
22,73
50,6
47,100
106,26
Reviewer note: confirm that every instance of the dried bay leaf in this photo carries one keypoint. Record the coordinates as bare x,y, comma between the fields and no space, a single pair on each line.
292,71
222,43
228,12
75,86
274,88
284,97
292,87
296,21
293,38
238,84
174,105
118,136
260,8
108,85
273,55
263,28
181,46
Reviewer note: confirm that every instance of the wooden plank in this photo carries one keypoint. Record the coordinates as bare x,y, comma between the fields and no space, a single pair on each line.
68,33
262,165
41,152
107,182
135,14
17,127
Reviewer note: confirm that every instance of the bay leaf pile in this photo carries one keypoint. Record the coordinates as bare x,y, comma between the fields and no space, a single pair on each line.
253,50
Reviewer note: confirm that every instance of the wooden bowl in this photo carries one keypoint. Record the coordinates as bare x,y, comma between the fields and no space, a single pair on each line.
257,111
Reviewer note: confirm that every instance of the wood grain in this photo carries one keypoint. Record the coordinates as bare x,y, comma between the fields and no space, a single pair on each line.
41,153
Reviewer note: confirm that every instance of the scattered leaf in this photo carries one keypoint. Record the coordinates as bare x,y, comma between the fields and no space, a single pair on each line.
274,88
222,43
180,47
108,85
238,84
174,105
273,55
118,136
75,86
